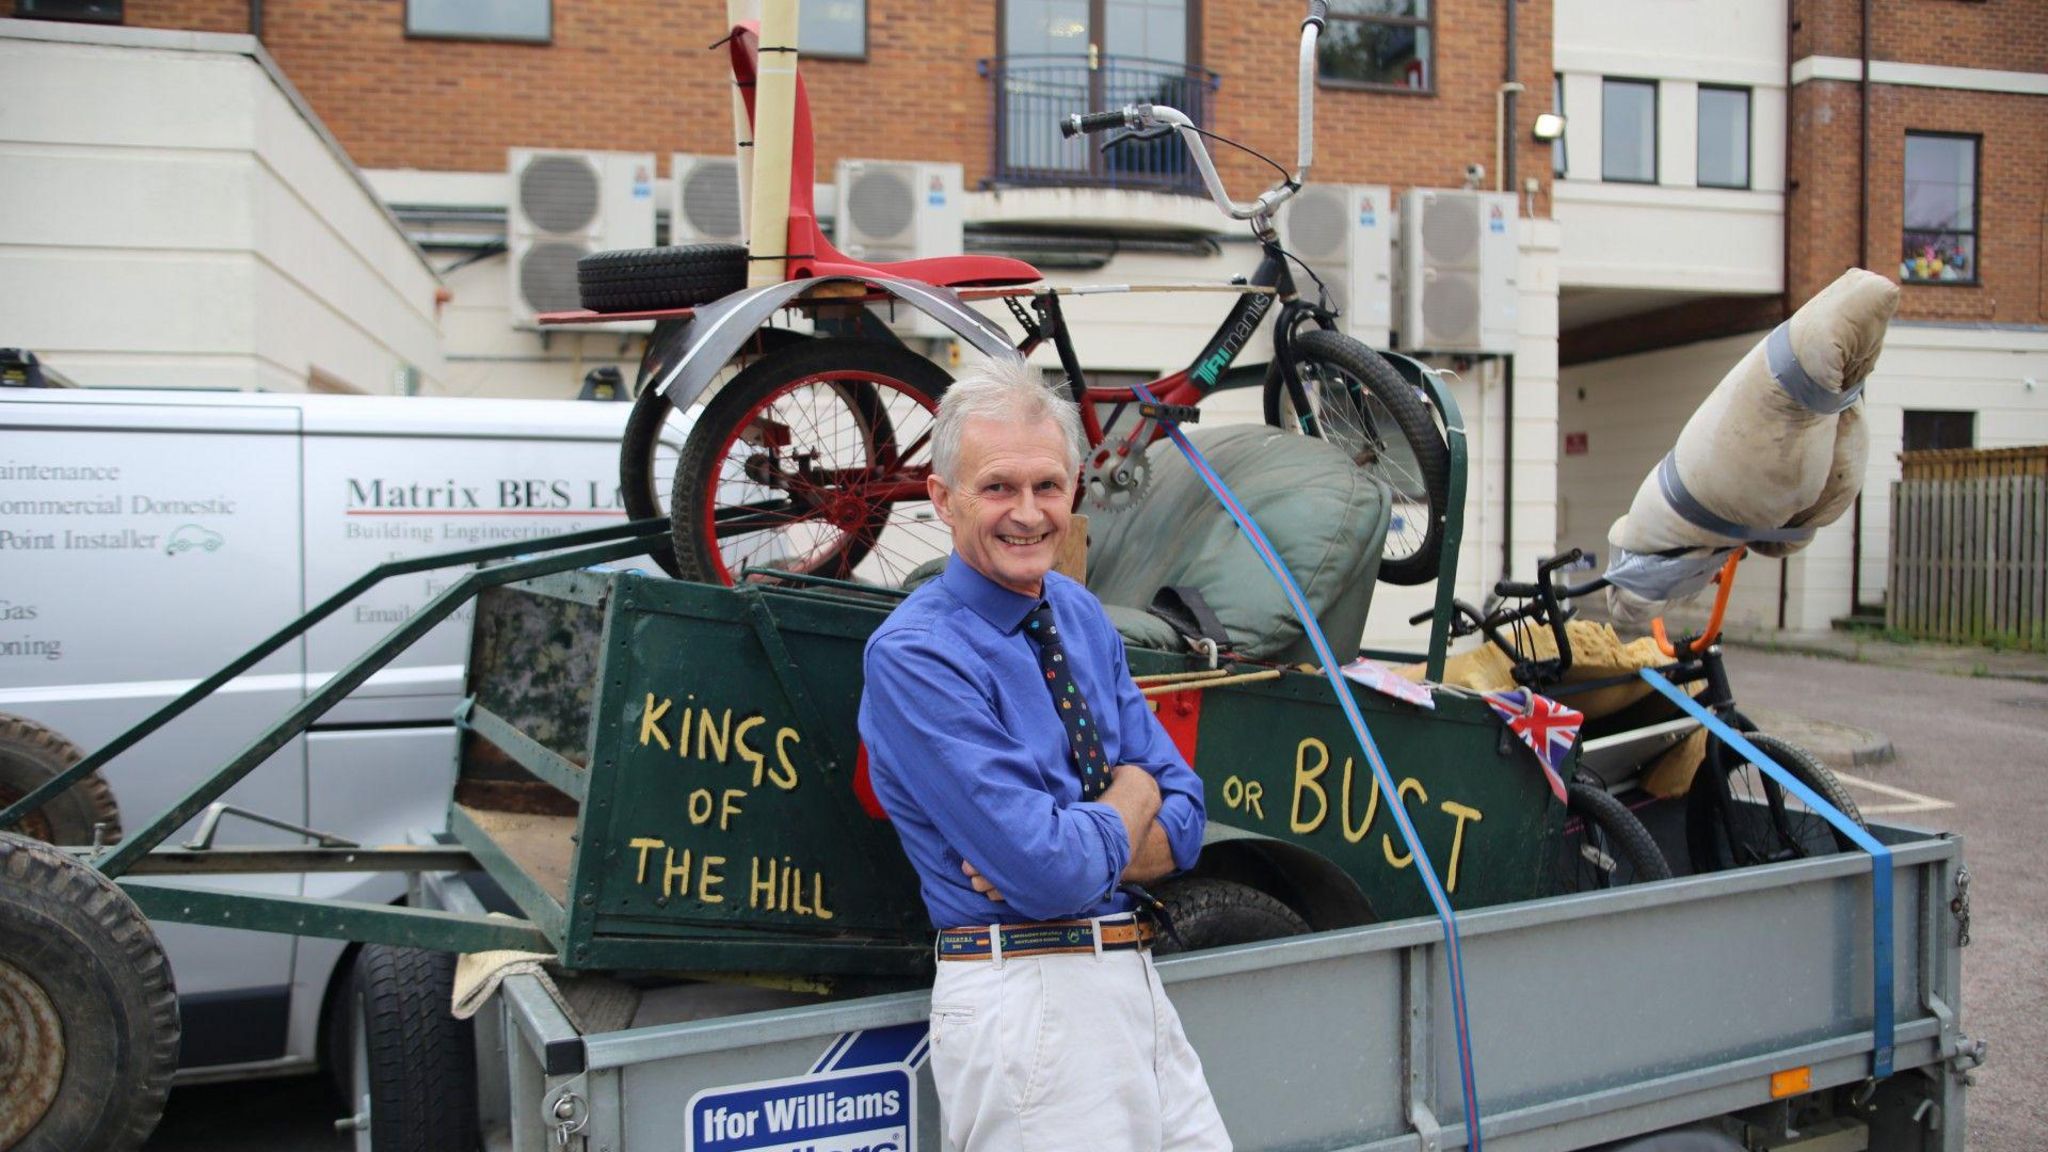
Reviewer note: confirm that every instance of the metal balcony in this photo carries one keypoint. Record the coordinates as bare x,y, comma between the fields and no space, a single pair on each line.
1033,93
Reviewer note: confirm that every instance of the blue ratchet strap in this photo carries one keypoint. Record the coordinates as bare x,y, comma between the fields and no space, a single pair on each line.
1313,630
1880,865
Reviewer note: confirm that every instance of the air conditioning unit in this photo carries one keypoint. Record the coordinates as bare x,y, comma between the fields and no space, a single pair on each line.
706,206
1458,254
900,210
1344,233
565,205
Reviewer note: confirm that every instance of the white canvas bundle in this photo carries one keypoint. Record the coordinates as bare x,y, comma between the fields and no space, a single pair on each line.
1773,453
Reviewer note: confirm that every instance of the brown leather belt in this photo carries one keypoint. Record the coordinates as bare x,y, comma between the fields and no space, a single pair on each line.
1122,933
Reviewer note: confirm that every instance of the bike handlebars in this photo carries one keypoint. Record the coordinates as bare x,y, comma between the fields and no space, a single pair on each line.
1147,116
1092,122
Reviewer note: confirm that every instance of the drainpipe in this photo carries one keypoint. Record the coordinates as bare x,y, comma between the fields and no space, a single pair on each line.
1862,260
1506,130
256,18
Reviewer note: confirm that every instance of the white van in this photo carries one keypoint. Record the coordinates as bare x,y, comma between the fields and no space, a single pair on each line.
148,538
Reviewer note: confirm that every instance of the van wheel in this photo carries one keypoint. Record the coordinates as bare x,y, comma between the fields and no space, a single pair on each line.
32,755
411,1063
88,1014
1212,913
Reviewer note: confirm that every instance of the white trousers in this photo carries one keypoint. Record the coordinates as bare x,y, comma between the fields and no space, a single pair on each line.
1066,1054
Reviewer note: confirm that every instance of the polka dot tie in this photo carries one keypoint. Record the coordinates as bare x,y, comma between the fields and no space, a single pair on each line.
1066,697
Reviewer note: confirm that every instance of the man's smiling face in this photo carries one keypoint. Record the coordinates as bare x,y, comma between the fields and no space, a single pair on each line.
1011,501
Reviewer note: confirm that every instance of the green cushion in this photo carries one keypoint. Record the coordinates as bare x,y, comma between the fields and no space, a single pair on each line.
1327,520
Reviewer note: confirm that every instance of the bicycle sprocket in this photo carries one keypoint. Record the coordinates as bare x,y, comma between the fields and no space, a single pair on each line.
1116,482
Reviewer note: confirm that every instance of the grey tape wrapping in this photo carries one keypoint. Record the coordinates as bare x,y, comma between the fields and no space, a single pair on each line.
719,329
1660,578
1699,516
1791,375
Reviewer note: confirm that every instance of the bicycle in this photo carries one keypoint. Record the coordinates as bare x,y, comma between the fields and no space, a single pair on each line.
1735,814
812,451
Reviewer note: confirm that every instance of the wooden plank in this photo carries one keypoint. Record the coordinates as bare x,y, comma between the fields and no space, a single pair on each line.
2038,519
1895,582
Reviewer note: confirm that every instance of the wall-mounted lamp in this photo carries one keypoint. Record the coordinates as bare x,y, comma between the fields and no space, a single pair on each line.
1548,127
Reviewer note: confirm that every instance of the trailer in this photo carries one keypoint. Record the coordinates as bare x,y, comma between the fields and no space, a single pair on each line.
1714,1012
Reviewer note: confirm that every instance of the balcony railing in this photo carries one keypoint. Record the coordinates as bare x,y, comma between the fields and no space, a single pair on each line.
1033,93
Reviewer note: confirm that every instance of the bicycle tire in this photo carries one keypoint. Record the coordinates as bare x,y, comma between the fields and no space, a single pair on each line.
650,279
653,442
1357,393
821,496
1736,817
1605,845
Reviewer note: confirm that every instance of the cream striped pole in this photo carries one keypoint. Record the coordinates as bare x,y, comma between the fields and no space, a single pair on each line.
774,112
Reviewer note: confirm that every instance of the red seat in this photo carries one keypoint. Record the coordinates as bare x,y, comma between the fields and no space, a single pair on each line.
810,253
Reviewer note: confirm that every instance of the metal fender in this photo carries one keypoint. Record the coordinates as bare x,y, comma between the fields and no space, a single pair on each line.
699,347
1302,879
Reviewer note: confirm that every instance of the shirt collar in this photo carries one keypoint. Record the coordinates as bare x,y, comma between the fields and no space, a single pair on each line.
1003,609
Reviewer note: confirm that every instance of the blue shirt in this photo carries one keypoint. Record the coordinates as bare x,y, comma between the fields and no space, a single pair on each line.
967,753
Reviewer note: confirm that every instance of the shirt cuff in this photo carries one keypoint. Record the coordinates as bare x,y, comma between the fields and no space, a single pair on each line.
1116,841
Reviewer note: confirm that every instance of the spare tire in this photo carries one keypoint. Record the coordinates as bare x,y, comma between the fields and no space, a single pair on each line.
90,1012
32,755
652,279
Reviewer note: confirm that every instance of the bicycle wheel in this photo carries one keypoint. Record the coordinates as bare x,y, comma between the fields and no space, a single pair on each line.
656,431
1737,816
1363,406
806,461
1604,845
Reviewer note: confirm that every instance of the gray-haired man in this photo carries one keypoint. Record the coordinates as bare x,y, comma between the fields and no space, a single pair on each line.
1029,781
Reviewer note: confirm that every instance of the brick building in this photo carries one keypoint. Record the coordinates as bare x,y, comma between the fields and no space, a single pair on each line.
1716,171
1939,186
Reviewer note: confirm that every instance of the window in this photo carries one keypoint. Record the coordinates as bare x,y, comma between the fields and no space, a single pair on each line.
1941,209
1628,131
1930,429
526,20
832,28
1378,44
1557,153
1724,137
87,11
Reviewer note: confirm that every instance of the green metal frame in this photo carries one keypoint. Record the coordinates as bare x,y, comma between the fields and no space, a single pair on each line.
139,853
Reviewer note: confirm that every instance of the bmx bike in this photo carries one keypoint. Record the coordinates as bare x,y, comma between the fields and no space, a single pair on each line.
1735,815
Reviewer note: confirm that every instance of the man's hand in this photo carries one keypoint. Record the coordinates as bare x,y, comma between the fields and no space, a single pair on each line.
1135,795
980,882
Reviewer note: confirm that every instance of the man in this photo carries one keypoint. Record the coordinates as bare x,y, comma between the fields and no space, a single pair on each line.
1029,782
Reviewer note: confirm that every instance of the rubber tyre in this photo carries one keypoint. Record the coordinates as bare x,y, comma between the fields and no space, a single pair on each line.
1361,394
865,390
649,279
1605,845
30,756
420,1061
1211,913
1732,822
655,432
80,968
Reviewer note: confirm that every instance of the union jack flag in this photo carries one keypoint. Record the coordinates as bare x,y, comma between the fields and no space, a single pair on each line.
1546,726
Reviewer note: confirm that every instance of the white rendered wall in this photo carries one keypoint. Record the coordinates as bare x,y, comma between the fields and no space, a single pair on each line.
1631,408
175,217
1672,235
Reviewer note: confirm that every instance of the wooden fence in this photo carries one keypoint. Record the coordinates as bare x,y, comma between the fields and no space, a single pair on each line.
1969,558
